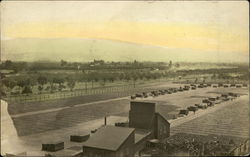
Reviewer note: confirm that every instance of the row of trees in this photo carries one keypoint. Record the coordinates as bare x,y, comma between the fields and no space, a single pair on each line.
94,65
58,82
26,85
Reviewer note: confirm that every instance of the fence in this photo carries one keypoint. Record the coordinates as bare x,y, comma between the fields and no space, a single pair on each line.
118,90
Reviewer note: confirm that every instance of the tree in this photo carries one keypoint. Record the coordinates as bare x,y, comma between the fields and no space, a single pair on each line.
92,77
148,76
2,92
8,64
170,64
196,80
63,63
9,83
24,82
71,83
141,76
104,77
110,77
127,77
121,76
52,87
58,80
42,80
85,79
213,76
40,88
61,86
104,81
177,65
135,78
27,90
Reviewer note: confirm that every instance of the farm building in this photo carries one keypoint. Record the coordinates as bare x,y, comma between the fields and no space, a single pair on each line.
144,124
110,141
142,115
143,118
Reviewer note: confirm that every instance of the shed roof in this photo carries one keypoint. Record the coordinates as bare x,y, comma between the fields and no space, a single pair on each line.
109,137
140,134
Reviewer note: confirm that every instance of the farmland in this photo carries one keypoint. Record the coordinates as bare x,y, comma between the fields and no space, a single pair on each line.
65,116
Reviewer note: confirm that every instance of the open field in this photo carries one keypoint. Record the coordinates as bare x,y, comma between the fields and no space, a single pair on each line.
67,117
62,117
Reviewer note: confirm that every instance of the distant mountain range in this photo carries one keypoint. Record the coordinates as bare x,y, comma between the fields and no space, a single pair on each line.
82,50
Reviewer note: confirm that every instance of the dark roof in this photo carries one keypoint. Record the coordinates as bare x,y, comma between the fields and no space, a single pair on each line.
163,117
141,134
109,138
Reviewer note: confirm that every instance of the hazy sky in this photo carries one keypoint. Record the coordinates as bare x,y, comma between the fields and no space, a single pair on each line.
198,25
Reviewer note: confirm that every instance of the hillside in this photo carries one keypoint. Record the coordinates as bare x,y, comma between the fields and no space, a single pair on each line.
109,50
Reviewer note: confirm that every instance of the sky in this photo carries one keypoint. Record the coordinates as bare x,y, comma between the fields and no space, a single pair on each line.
216,26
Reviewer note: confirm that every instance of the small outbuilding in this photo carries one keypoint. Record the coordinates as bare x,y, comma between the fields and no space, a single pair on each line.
110,141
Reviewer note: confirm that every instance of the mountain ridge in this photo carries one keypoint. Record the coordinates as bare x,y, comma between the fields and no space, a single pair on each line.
86,49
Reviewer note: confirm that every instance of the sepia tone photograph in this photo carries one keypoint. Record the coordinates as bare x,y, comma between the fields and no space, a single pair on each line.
124,78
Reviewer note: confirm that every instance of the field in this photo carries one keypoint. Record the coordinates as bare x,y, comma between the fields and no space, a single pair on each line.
68,117
41,117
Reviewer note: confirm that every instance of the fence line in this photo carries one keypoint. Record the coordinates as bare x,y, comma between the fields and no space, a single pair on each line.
67,94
